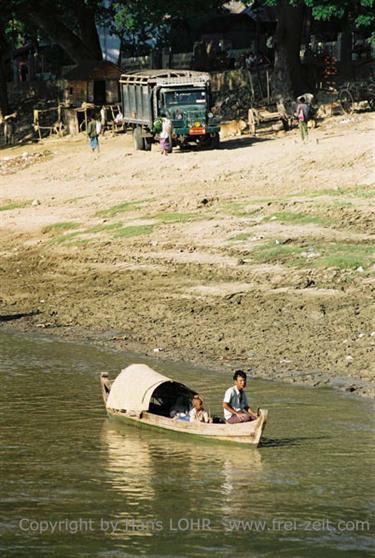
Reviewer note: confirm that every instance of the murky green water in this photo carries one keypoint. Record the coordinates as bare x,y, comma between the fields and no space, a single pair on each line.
76,485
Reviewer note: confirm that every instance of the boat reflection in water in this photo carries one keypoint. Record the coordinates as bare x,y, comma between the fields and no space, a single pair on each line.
165,477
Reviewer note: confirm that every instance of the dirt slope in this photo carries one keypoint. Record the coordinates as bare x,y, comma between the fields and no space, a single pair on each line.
260,254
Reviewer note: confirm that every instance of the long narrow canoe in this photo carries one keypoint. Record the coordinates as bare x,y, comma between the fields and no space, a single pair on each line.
141,396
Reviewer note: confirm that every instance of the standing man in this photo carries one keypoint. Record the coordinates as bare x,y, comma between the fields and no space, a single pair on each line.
93,135
235,404
166,135
9,123
303,113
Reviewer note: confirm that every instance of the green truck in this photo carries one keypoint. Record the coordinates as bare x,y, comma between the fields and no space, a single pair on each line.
182,94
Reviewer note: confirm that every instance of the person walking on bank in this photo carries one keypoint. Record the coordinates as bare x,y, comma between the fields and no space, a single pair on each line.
166,135
93,134
235,403
303,113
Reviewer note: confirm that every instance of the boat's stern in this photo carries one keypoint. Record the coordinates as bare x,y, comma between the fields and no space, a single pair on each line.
105,385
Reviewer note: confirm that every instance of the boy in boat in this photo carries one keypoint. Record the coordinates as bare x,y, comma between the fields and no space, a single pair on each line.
235,404
198,413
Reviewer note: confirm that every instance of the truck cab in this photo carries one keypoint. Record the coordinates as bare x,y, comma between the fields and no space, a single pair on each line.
189,110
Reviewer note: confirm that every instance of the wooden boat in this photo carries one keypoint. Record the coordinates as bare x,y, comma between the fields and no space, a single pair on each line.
142,396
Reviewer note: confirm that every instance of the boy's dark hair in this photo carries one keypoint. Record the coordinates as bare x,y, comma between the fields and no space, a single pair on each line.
239,374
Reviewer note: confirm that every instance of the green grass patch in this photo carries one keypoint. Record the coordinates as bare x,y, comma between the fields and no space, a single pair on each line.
121,208
80,242
280,253
299,218
133,230
14,205
104,228
66,238
238,208
239,237
346,256
338,255
58,227
117,230
364,192
167,218
341,204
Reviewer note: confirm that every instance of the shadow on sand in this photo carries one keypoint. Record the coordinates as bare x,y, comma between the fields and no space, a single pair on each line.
238,143
11,317
234,143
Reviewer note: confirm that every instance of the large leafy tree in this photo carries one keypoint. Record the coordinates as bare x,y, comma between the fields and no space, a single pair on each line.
141,20
3,87
72,25
287,77
8,36
69,23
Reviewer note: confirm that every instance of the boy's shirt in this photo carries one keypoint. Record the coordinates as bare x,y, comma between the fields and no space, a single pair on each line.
91,129
236,399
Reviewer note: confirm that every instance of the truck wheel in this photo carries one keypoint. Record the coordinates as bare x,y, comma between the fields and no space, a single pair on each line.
147,144
138,139
215,141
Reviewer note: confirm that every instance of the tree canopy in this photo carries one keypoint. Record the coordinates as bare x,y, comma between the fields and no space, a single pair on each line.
360,13
72,24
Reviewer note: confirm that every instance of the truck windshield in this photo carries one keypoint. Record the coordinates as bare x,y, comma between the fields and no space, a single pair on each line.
187,97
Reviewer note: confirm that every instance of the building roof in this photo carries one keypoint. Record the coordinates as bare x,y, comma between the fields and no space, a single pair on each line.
93,70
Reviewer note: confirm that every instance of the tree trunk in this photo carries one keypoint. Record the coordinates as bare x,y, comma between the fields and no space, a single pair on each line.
88,31
287,81
346,62
63,36
4,105
121,47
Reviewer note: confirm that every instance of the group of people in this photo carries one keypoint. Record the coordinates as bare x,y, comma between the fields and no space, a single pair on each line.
96,127
235,404
164,126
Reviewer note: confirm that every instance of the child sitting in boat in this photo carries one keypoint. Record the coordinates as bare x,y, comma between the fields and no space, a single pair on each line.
198,413
180,409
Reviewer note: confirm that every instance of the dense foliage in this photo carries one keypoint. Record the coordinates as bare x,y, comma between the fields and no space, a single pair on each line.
72,25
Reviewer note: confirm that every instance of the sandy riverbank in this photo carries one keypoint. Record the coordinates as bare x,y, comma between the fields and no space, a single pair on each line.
260,254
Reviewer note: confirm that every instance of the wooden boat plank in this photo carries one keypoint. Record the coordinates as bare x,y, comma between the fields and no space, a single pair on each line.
246,433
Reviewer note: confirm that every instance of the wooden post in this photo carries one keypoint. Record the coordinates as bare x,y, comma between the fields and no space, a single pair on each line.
251,85
251,121
36,122
268,87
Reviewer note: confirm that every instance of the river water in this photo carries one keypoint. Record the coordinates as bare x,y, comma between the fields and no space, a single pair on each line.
75,484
